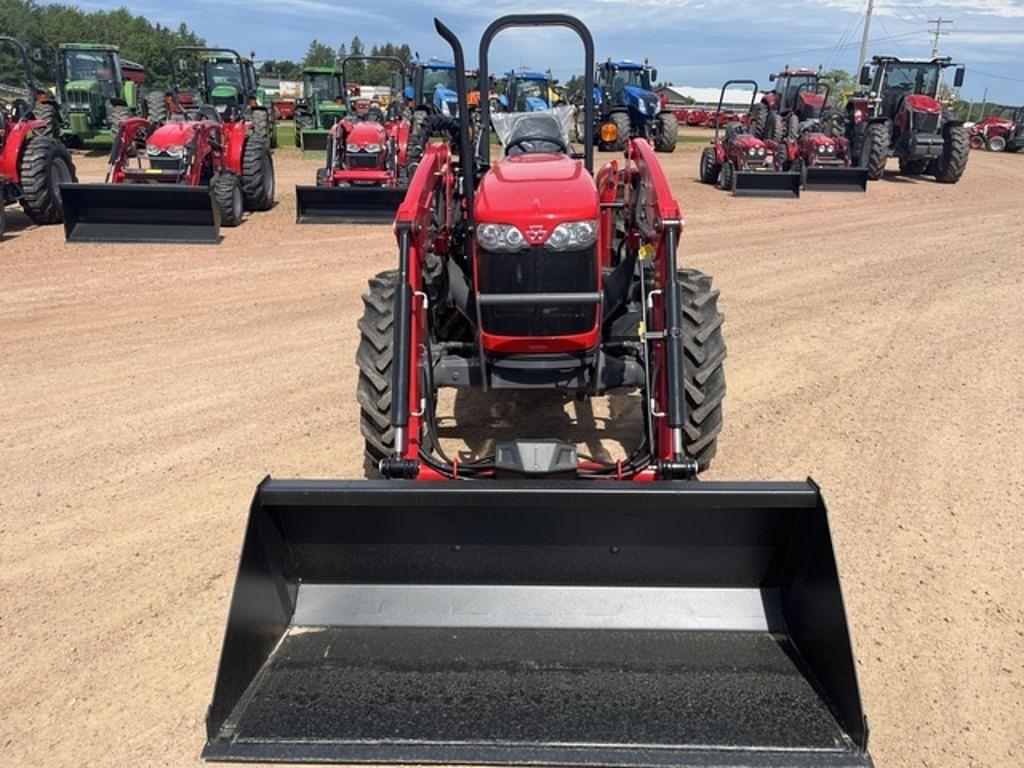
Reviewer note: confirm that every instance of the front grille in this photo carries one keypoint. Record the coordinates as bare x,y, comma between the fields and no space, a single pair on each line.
538,271
364,160
78,99
925,123
167,163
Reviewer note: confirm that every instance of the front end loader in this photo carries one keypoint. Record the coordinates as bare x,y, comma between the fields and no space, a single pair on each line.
535,605
194,176
367,164
740,162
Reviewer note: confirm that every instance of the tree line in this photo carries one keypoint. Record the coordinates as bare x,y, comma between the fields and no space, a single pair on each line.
320,54
42,27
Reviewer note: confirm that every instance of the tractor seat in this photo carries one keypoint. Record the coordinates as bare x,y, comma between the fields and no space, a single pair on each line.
733,130
536,133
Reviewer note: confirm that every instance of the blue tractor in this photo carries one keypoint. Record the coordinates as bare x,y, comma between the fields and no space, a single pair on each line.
432,89
627,107
528,91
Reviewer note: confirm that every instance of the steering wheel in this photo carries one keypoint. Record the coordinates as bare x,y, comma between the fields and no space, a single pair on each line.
556,140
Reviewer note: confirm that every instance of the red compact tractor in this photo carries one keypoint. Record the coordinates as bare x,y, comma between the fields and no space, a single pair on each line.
193,176
32,165
740,162
901,116
1000,133
796,97
368,164
819,152
530,604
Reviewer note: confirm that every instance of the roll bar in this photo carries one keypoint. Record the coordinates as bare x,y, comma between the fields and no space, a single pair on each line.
721,100
29,84
538,20
466,159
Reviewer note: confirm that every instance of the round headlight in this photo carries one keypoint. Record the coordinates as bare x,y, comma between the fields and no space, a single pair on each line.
352,147
752,151
760,150
153,150
176,152
372,148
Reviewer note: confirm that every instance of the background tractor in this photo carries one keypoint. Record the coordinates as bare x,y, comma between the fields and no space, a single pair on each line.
96,89
902,116
223,79
798,95
533,605
1000,133
628,108
320,106
368,159
194,175
33,164
816,148
741,162
432,90
527,91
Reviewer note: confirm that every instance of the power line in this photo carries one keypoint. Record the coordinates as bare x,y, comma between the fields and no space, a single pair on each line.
974,71
792,54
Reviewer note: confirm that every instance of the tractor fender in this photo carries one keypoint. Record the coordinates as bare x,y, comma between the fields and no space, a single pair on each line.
17,136
402,137
235,135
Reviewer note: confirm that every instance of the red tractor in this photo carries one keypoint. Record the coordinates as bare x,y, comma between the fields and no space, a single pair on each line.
32,165
368,161
194,176
531,604
795,98
819,152
901,116
740,162
1000,133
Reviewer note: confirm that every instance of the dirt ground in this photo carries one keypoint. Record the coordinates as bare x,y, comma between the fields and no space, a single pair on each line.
876,342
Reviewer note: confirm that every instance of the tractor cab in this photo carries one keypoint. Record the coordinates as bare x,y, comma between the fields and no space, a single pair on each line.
810,102
433,87
527,91
91,85
628,84
323,95
790,85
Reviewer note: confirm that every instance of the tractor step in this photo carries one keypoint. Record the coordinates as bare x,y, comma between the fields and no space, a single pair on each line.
139,213
347,205
538,622
836,179
767,183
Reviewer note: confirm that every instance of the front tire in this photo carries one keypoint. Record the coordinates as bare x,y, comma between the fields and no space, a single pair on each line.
258,180
668,133
913,167
709,167
950,165
727,177
45,165
703,372
874,150
227,196
996,143
373,358
621,122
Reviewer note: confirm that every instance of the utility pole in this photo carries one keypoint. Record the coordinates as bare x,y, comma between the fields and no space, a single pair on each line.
865,36
937,33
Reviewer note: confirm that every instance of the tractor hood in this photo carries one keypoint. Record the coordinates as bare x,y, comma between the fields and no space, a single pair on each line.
446,101
536,189
535,103
363,133
172,135
92,86
920,103
644,102
746,141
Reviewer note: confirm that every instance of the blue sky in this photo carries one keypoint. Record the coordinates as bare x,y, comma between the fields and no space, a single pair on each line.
691,42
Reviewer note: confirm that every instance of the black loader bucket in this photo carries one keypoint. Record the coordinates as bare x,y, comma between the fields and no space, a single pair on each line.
767,183
313,140
824,179
556,623
139,213
347,205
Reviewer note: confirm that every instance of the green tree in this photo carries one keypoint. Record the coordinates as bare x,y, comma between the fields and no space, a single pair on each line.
319,55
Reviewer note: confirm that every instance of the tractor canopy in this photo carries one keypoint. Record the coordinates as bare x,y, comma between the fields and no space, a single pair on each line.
435,86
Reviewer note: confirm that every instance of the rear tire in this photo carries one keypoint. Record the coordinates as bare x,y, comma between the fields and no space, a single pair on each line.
48,112
45,164
874,150
374,357
261,125
116,114
950,165
668,133
773,129
258,180
703,374
156,108
227,196
996,143
709,167
792,126
758,119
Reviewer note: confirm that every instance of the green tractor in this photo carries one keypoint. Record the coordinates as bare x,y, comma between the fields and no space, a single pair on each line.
224,79
95,91
320,106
